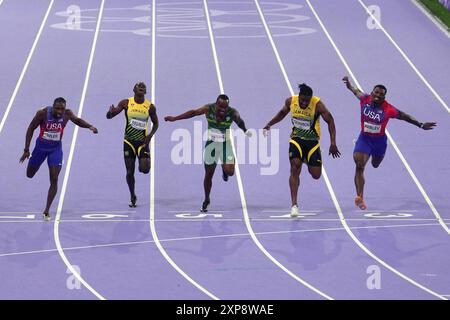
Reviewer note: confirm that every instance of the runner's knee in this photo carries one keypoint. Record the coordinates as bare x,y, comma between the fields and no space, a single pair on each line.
316,175
145,170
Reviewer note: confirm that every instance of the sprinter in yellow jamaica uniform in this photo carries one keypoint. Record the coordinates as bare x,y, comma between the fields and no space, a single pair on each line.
138,111
304,146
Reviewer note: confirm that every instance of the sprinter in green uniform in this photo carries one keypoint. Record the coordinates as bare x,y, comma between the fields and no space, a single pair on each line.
218,147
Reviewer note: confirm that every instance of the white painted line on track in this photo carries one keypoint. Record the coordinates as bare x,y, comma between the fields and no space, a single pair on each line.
196,211
330,188
407,59
152,173
25,67
225,220
107,245
69,162
239,179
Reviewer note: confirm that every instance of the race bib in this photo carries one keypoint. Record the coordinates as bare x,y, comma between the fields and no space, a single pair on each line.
372,128
216,136
52,136
301,124
138,124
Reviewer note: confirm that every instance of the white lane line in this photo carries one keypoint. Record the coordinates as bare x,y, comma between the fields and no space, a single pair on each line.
405,56
239,179
432,17
288,212
224,220
25,67
152,173
107,245
107,211
330,188
19,212
196,211
1,1
69,163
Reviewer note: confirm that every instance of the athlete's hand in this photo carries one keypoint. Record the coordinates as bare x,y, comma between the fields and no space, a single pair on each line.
93,129
334,151
26,155
248,133
169,118
147,141
265,130
109,114
346,81
428,125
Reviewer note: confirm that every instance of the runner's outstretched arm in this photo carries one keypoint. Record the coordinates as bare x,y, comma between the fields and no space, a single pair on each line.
280,115
423,125
239,122
29,135
328,118
114,111
80,122
188,114
357,92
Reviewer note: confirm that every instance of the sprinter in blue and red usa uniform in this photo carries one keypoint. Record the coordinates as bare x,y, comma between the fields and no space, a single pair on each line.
52,120
372,141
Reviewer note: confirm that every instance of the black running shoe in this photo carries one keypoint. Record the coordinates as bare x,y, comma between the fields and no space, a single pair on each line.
205,205
133,202
224,175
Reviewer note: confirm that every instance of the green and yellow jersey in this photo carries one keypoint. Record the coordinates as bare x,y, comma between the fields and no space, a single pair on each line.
136,116
217,130
306,124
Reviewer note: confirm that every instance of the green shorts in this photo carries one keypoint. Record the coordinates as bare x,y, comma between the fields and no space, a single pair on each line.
218,152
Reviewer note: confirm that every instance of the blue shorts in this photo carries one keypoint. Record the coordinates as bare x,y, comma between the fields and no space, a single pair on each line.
374,146
52,151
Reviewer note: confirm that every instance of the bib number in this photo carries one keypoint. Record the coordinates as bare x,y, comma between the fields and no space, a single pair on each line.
372,128
301,124
216,136
52,136
138,124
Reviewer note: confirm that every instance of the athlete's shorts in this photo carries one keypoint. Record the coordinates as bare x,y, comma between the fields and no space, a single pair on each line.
131,149
308,151
371,145
218,152
52,151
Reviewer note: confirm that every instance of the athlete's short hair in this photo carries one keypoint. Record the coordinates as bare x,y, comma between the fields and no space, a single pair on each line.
59,100
305,90
138,83
381,87
223,97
